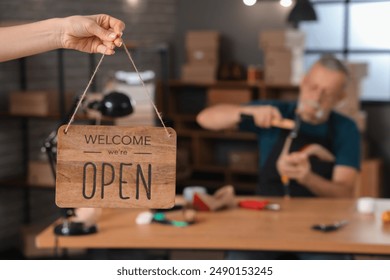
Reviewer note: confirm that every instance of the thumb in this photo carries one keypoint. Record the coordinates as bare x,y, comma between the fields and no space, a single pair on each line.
276,114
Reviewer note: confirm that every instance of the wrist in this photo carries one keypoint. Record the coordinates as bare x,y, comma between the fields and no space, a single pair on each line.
57,28
244,113
307,179
245,110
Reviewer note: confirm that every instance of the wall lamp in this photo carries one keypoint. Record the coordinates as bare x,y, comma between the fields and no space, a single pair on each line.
283,3
302,11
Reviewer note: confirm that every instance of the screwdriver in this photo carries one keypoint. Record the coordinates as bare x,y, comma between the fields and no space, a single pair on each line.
287,144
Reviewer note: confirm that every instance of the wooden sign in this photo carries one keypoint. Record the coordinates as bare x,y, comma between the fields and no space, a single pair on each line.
116,167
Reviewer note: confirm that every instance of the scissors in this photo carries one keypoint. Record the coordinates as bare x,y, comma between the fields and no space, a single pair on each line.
330,227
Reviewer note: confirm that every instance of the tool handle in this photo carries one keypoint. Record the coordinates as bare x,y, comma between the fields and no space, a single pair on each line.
283,123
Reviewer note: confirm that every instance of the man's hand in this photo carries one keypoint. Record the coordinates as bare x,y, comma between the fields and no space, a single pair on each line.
263,116
294,166
297,165
92,34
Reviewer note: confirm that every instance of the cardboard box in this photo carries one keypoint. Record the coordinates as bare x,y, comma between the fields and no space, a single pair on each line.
350,105
39,103
202,55
40,174
228,96
281,39
202,40
357,71
35,103
199,73
281,57
284,66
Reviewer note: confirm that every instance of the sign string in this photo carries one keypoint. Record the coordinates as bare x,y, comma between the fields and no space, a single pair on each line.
83,95
146,89
90,82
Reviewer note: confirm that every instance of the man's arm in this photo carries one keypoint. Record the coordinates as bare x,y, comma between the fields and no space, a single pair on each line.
342,184
227,116
219,117
297,166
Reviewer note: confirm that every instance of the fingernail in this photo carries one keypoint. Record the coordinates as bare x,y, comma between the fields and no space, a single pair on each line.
120,44
112,35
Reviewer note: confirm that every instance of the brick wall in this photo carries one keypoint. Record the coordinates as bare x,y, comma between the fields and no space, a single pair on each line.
148,22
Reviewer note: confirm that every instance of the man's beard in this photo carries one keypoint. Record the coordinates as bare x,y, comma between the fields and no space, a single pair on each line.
319,112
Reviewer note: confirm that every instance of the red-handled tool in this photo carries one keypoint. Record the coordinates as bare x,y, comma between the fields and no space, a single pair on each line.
258,205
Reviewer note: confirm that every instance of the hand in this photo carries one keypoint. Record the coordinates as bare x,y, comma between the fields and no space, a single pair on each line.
263,115
319,151
294,166
92,34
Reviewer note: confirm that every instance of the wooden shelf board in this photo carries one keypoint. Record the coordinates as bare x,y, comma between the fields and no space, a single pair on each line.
227,134
282,86
216,184
231,84
54,117
224,169
22,183
223,135
219,84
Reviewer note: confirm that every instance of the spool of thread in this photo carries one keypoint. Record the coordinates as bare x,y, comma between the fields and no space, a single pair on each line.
253,74
366,205
188,192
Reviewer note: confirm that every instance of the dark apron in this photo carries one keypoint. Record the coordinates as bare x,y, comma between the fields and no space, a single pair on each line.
269,180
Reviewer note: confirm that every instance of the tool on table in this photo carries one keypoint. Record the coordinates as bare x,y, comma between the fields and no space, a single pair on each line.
330,227
160,216
258,205
221,199
287,144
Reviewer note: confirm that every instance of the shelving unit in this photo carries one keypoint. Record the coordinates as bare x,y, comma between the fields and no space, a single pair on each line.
22,182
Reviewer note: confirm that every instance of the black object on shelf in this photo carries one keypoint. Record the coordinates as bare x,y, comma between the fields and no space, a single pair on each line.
114,104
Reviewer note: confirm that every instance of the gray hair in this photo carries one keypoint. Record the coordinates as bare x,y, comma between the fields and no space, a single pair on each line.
331,62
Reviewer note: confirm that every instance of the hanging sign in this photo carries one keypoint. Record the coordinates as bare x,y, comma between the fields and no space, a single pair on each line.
116,167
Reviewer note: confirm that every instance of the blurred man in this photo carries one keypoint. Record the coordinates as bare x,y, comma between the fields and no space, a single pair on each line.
321,130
